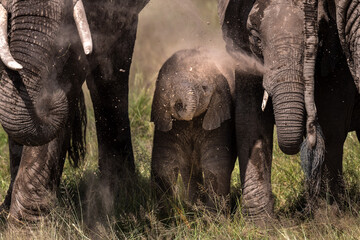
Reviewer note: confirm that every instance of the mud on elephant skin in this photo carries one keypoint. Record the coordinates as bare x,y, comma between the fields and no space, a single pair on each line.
192,112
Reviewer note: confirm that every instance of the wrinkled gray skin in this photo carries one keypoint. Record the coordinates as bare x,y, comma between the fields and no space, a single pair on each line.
35,102
192,110
41,105
274,32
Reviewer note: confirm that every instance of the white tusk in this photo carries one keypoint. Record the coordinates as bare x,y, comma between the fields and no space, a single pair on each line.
265,100
83,26
5,54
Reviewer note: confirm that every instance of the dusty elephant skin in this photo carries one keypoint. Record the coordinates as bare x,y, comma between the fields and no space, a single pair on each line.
273,32
41,103
299,75
192,111
36,99
113,26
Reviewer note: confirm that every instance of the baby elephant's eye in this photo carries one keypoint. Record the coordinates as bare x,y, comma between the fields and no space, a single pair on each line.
178,106
205,88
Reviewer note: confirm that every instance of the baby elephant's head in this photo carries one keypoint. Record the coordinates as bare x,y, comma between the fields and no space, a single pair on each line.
190,84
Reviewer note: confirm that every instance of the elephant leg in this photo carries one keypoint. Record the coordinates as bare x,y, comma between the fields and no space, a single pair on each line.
335,133
110,102
192,179
335,102
109,86
254,139
218,156
166,156
37,181
333,167
15,151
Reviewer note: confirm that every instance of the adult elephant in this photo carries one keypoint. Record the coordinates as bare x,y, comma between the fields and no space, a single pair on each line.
284,34
41,104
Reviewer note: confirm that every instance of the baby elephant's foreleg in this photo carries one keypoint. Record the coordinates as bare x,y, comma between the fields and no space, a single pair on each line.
217,159
164,165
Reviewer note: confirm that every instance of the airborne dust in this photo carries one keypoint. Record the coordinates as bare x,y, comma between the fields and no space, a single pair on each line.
167,26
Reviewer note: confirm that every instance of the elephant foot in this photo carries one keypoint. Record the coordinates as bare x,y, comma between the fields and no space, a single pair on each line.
257,198
31,199
27,210
36,183
257,203
259,213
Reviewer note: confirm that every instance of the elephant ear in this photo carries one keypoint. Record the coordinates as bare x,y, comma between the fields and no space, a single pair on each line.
219,109
159,113
233,16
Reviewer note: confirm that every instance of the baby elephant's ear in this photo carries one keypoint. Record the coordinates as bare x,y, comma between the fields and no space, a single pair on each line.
219,109
159,113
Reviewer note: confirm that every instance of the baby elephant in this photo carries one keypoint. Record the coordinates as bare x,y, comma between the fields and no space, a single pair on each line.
194,132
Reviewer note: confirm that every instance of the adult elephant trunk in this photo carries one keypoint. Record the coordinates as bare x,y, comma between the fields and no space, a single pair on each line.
32,108
348,23
33,105
283,81
288,104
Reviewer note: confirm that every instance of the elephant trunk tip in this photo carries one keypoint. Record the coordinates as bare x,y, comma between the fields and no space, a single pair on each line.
290,149
187,113
52,108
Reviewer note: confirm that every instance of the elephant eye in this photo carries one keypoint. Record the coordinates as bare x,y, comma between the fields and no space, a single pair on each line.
205,88
178,106
255,41
255,37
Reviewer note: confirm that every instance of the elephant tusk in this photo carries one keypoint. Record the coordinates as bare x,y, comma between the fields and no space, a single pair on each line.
265,100
83,26
5,54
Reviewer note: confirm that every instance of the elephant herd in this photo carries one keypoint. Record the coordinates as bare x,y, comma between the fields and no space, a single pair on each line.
309,89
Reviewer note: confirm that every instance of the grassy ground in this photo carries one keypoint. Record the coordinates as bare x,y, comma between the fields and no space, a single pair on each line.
79,212
135,211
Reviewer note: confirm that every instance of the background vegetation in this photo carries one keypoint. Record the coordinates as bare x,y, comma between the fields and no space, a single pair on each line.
164,27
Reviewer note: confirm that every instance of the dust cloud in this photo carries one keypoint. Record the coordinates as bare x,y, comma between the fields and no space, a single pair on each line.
166,26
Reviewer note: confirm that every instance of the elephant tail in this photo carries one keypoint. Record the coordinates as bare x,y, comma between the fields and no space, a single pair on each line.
312,159
77,147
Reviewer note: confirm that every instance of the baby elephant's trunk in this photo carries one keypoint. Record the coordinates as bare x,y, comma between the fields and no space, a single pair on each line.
186,106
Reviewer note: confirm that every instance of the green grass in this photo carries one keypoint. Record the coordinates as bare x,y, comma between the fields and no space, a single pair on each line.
135,216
